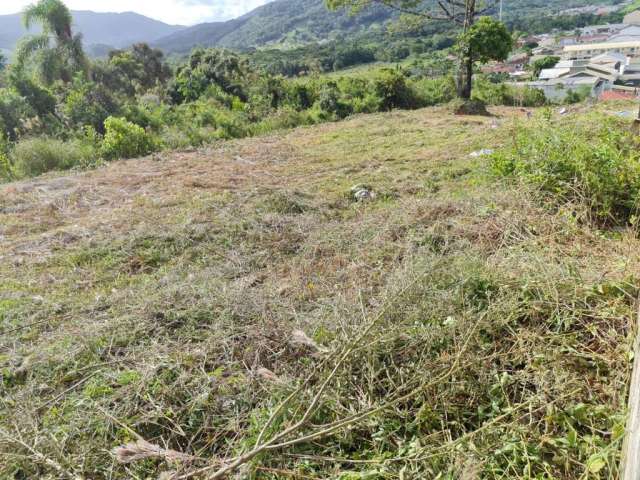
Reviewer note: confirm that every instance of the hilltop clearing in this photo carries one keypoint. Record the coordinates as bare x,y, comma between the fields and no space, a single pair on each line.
465,328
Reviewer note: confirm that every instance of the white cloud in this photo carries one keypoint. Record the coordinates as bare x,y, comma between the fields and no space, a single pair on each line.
185,12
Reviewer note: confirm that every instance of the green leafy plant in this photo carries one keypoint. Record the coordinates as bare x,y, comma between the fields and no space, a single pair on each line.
124,139
35,156
594,162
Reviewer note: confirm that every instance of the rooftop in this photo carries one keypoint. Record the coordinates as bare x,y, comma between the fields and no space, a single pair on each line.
549,73
601,46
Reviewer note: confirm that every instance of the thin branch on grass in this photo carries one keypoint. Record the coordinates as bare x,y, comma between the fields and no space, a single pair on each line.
279,441
39,457
71,388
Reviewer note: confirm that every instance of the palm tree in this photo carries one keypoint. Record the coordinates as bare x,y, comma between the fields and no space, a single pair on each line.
56,52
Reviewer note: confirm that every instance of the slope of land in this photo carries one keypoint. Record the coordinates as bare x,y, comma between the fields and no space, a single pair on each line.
114,29
179,298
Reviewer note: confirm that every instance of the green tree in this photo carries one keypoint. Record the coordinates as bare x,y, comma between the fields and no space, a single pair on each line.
633,7
207,67
542,63
133,71
56,53
490,40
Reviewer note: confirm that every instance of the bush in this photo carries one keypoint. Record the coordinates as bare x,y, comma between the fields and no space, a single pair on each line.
38,97
595,162
329,101
394,92
502,94
299,97
207,113
435,91
123,139
14,110
88,103
5,166
282,119
35,156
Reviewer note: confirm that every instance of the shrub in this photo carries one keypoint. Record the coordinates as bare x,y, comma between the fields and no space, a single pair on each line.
300,96
578,95
148,115
88,103
329,101
282,119
435,91
14,109
502,94
595,162
34,156
123,139
5,166
393,91
38,97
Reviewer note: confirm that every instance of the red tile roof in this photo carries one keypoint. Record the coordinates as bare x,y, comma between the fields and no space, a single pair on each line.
616,95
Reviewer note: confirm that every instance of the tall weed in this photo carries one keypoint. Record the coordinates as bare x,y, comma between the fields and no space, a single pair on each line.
594,161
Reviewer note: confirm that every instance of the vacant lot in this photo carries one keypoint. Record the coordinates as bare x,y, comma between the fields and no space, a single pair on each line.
465,329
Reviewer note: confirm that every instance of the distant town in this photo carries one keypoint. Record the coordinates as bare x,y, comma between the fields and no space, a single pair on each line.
600,61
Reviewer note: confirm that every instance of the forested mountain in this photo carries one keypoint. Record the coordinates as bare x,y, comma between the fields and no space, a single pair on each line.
112,29
282,23
292,22
296,22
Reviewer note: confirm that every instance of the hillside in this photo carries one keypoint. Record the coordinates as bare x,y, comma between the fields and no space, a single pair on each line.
295,22
450,324
113,29
282,21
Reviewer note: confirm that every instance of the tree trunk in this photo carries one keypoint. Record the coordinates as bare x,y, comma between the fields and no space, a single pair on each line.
465,67
465,76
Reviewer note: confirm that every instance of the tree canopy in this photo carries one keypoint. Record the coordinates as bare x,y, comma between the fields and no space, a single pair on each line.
542,63
481,39
55,54
488,39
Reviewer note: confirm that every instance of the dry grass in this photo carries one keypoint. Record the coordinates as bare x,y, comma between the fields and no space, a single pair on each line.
169,305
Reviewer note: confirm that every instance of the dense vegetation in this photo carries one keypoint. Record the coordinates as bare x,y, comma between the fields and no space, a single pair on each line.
60,110
590,161
132,103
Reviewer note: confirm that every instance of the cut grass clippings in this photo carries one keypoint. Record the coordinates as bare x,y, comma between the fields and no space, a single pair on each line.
181,313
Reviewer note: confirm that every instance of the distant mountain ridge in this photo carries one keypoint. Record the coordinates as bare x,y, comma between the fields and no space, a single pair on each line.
282,22
285,23
113,29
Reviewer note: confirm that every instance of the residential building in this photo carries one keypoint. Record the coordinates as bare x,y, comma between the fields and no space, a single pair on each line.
557,90
632,18
599,38
590,50
608,29
593,76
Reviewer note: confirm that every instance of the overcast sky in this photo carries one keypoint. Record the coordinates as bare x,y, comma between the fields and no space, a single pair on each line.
184,12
